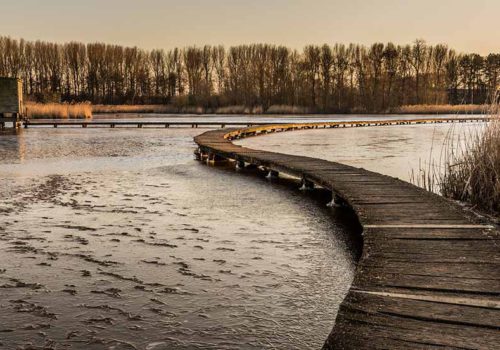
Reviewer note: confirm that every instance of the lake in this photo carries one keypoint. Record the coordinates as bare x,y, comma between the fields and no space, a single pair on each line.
119,239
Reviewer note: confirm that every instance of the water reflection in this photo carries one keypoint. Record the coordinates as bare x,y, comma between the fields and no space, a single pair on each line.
12,142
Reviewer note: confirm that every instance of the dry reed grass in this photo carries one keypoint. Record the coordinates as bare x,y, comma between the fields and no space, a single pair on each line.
274,109
473,174
172,109
469,167
58,110
441,109
239,109
101,109
279,109
147,109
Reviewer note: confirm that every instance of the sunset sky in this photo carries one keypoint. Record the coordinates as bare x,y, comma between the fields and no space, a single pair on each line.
465,25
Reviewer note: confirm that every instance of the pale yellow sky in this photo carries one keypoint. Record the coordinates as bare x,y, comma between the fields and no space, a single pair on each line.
466,25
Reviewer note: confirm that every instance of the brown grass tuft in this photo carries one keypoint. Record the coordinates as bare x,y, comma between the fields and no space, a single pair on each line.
58,110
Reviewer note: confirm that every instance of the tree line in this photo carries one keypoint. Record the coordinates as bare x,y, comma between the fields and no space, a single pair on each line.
338,78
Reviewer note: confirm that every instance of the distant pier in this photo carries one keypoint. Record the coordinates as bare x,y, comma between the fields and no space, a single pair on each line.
222,124
429,275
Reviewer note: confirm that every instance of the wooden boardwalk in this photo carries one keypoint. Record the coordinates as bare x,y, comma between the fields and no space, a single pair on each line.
429,275
206,124
138,124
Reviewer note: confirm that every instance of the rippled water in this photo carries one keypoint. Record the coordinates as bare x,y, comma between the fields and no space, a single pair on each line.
118,239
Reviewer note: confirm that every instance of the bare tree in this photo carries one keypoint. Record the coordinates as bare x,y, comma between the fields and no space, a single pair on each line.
324,78
418,54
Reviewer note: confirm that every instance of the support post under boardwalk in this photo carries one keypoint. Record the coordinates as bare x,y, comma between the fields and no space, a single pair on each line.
240,164
215,159
306,184
272,174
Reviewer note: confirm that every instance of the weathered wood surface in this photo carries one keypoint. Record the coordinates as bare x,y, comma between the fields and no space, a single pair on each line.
196,123
429,275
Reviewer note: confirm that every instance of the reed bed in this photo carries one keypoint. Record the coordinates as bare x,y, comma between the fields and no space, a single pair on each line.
102,109
472,174
58,110
468,169
239,109
274,109
278,109
172,109
441,109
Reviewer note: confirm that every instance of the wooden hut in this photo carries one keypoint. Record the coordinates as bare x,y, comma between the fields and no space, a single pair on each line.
11,101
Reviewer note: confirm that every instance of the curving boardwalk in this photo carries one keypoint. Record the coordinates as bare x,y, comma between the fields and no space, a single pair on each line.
429,275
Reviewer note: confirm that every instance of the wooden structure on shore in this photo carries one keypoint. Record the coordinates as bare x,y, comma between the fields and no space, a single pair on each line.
11,102
429,275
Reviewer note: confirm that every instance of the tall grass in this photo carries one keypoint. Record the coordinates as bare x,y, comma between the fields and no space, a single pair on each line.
468,169
473,174
58,110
